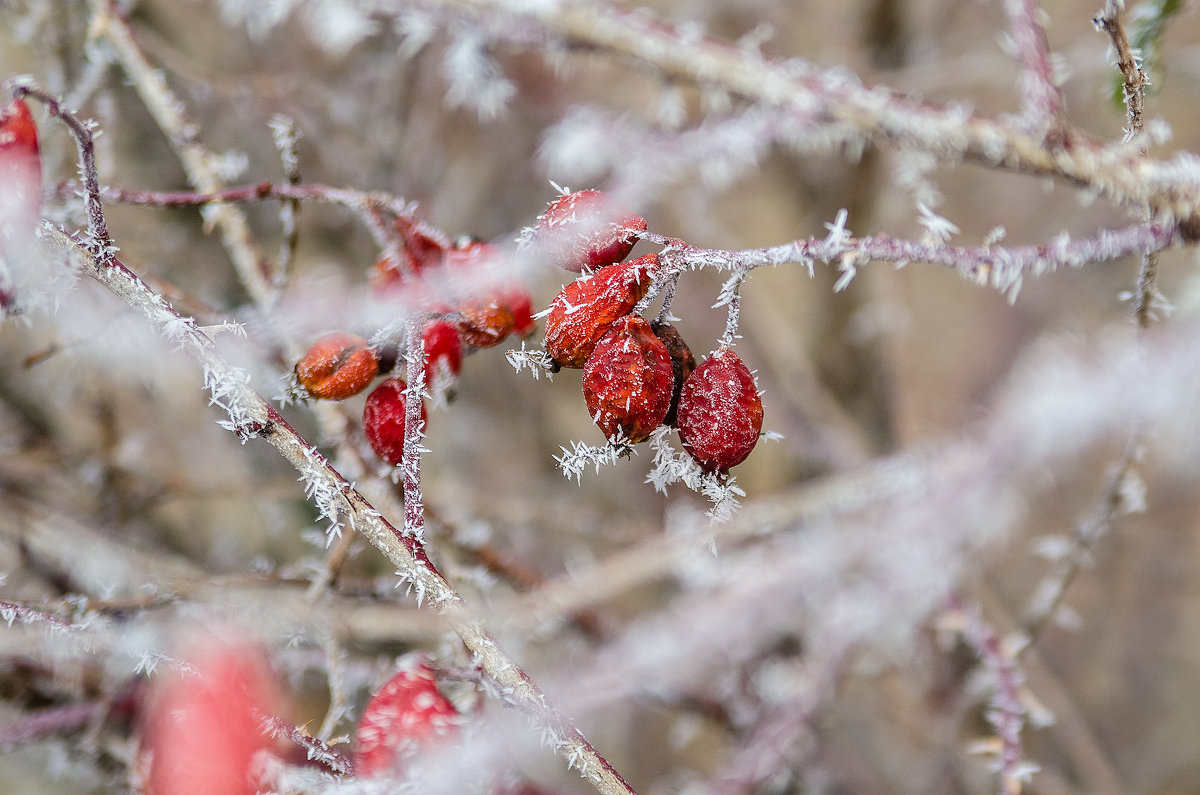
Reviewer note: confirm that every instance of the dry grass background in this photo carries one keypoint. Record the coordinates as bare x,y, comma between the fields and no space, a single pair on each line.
107,439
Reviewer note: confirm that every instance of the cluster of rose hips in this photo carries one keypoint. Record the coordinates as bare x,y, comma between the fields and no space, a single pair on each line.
638,375
422,273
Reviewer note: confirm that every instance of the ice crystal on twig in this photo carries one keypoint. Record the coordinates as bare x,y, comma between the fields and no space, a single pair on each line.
938,230
573,462
675,466
536,360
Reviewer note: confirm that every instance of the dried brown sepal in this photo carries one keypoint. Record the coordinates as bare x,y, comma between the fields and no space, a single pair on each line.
682,363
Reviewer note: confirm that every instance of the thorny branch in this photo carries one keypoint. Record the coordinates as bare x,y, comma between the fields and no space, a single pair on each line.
1165,191
830,99
251,416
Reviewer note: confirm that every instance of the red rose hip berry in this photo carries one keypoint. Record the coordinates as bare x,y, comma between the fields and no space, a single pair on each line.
202,730
407,713
627,381
586,229
585,309
337,366
443,354
384,419
484,322
20,175
720,412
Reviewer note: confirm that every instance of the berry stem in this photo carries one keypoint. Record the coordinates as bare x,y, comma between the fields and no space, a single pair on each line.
733,319
668,293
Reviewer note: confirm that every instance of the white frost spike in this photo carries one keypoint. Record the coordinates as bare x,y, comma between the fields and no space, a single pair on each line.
538,362
323,493
848,270
286,137
938,230
574,461
673,466
415,29
474,78
838,233
337,26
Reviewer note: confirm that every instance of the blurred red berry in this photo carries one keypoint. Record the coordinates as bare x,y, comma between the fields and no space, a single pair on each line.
476,261
387,273
337,366
484,321
384,419
426,247
202,729
585,309
586,229
442,345
406,714
520,303
443,355
720,412
468,254
627,380
20,176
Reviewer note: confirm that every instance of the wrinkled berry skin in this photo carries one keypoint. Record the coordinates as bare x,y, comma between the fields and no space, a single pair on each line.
720,412
337,366
384,419
682,363
408,712
585,309
627,380
586,229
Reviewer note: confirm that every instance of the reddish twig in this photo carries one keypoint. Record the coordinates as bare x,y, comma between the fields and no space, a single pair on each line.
1041,98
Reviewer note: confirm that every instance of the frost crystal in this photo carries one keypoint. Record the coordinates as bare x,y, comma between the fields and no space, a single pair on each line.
475,80
337,26
574,461
538,362
286,136
324,492
938,230
674,466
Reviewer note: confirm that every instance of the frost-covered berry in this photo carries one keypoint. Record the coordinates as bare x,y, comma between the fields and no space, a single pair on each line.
384,418
586,229
585,309
627,380
720,412
407,713
20,175
682,363
337,366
